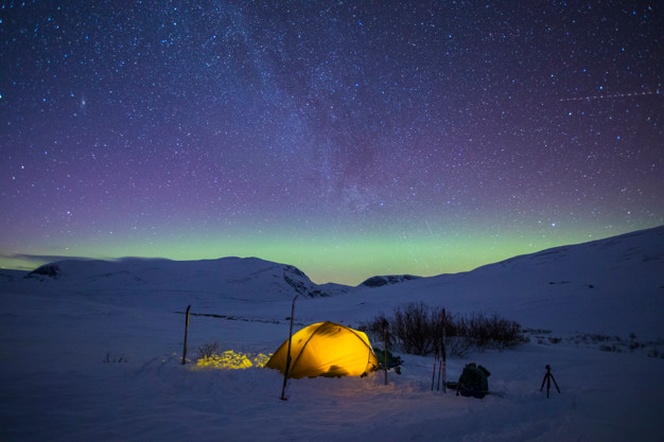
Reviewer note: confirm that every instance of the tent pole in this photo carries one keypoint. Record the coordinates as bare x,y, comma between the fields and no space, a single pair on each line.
288,355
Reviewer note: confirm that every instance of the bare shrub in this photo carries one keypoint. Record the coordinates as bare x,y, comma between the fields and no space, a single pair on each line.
379,329
489,331
115,359
459,346
416,328
207,350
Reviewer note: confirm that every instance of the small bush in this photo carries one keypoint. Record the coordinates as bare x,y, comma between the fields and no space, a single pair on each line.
655,353
208,349
597,337
489,331
459,346
115,359
613,348
379,329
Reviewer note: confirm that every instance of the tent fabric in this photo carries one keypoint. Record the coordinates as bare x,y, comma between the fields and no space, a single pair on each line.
326,349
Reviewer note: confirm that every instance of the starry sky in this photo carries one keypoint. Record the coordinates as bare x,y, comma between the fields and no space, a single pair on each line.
347,138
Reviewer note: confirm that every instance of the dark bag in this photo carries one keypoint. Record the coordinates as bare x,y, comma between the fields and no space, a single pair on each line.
473,381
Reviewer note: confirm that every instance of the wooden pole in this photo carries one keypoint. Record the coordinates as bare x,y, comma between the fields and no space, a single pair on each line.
444,353
385,329
186,329
288,355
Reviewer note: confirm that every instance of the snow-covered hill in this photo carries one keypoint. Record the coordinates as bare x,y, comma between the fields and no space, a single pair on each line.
379,281
251,279
615,285
91,350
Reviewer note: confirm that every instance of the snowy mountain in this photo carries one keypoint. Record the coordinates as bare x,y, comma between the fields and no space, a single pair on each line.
379,281
615,285
92,350
240,278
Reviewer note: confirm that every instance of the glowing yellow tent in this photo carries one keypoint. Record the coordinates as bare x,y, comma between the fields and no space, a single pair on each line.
326,349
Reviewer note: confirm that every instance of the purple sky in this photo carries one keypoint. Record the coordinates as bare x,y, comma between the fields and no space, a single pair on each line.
346,138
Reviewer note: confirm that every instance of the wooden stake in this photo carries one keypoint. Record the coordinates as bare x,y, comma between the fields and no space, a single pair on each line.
385,328
186,329
288,355
444,354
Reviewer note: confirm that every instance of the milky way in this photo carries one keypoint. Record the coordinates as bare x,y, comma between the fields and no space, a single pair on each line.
346,138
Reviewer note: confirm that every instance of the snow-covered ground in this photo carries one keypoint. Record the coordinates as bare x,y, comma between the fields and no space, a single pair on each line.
95,353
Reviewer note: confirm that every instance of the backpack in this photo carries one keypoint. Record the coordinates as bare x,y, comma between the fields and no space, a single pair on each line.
473,381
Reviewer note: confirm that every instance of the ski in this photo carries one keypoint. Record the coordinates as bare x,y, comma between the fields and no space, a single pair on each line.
440,367
433,375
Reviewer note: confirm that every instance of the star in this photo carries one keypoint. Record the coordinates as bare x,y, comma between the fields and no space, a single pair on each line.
348,140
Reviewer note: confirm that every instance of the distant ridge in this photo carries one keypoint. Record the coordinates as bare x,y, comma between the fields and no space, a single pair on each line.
232,276
601,280
627,258
614,284
379,281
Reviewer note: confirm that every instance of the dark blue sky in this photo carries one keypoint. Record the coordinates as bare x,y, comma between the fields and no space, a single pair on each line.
346,138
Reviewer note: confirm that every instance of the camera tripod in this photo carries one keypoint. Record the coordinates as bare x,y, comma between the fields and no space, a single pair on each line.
548,377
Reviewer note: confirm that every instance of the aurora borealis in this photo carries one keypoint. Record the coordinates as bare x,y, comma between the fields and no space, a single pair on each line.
346,138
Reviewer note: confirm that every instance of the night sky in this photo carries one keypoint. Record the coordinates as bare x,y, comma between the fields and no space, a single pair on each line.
346,138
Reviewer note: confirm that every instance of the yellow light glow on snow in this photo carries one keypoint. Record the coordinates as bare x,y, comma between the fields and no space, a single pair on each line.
232,360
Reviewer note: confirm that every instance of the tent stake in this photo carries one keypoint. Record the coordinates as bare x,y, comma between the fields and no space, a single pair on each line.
288,355
186,329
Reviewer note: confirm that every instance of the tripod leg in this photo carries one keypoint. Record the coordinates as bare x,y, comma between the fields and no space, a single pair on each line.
548,384
543,382
555,383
